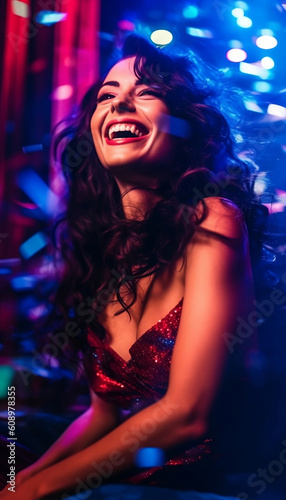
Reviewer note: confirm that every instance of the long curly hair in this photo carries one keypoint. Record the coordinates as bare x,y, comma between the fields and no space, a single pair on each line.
104,252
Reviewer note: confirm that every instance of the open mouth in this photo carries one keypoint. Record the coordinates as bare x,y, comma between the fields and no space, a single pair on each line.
126,131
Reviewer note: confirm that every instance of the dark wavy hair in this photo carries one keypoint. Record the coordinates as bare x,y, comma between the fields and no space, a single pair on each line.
105,253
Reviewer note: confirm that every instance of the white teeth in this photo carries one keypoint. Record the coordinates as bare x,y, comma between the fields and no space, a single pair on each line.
122,127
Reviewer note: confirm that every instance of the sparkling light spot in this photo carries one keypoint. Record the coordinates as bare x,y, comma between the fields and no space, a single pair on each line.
253,69
276,110
252,106
62,92
235,44
266,42
244,22
20,9
126,25
49,17
237,12
236,55
260,186
262,87
267,62
199,33
161,37
190,12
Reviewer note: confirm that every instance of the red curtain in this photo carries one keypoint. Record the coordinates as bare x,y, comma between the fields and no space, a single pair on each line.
14,66
69,50
76,62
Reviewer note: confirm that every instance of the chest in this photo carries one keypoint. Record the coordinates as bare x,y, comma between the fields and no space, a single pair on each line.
156,296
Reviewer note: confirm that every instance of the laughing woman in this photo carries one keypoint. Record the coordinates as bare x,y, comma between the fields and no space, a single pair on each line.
156,242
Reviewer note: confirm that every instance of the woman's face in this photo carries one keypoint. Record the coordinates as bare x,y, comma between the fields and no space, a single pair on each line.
131,122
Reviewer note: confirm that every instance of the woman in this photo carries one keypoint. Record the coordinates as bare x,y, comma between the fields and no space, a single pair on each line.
157,272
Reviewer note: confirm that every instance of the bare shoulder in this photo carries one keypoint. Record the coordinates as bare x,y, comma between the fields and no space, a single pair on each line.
223,217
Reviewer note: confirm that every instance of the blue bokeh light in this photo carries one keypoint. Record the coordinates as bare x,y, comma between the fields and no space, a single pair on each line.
190,12
244,22
33,245
150,457
49,17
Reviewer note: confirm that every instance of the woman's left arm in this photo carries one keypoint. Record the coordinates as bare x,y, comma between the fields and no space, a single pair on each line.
217,279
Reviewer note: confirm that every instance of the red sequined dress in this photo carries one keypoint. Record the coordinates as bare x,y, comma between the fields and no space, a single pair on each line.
139,382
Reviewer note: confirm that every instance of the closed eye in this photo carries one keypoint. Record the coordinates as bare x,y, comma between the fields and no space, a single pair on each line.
151,92
105,97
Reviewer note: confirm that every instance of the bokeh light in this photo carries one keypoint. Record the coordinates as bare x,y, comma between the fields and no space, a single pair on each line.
266,42
161,37
20,9
150,457
235,44
267,62
237,12
49,17
254,69
190,11
244,22
277,110
262,86
241,5
236,55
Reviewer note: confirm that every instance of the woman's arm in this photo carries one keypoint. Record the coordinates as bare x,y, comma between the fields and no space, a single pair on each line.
96,421
216,291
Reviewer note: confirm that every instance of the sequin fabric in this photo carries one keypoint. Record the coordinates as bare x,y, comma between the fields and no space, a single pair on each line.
139,382
143,379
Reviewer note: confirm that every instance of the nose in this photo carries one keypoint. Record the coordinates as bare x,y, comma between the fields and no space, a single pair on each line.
122,102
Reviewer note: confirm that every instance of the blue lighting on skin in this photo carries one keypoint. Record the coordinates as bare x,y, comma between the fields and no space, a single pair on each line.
49,17
30,182
33,245
190,12
150,457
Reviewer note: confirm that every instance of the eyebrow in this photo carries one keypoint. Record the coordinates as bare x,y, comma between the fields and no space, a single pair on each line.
114,83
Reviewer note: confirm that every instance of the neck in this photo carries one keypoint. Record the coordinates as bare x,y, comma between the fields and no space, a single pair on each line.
137,200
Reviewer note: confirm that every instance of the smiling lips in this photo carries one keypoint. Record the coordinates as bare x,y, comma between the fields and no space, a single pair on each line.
124,132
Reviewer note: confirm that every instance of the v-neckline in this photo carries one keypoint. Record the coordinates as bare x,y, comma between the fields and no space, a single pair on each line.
141,336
